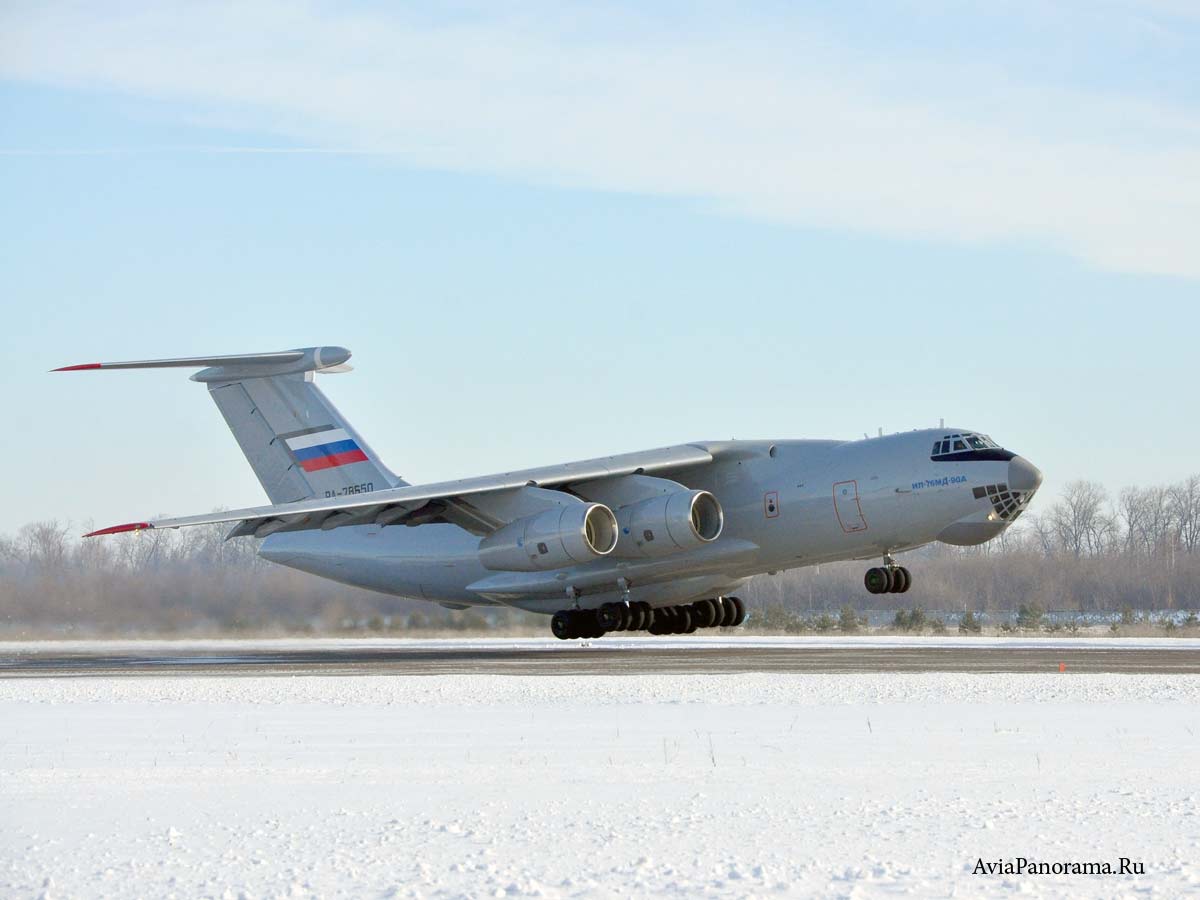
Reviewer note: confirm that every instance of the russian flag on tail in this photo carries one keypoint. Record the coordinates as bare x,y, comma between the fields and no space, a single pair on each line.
325,449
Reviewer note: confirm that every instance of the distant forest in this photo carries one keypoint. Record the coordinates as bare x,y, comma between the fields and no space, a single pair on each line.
1089,552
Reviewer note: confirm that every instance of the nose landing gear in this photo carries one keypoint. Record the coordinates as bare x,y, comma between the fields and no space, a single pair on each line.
888,578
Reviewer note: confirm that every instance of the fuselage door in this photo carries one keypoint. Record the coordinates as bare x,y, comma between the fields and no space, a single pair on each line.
847,507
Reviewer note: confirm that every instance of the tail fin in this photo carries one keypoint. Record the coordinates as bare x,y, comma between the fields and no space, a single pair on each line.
296,441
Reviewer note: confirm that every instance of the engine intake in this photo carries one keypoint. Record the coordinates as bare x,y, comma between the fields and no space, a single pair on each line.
669,523
559,537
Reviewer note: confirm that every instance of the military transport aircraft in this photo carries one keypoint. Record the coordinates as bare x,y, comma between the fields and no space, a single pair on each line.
656,540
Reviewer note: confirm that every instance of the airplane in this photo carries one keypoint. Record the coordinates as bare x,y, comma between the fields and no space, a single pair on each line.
655,540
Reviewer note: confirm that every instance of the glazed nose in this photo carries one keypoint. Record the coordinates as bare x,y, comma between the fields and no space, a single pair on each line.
1023,475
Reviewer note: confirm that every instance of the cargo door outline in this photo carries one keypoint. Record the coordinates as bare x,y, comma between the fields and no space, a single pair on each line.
847,507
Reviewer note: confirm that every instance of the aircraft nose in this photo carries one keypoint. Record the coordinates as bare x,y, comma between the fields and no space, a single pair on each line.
1023,475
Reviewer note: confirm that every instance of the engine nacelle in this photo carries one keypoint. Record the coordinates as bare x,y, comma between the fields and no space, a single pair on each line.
559,537
669,523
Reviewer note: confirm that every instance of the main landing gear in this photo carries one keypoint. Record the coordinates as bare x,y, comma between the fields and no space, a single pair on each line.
719,612
888,578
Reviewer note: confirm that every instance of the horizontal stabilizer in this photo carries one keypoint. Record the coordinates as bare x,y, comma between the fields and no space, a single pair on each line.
236,366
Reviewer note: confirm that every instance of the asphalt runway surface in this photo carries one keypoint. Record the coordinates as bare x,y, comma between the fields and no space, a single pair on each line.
599,657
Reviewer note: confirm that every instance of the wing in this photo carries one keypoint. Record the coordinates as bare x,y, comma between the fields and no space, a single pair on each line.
478,504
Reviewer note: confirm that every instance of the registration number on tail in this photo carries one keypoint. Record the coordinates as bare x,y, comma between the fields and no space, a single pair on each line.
364,488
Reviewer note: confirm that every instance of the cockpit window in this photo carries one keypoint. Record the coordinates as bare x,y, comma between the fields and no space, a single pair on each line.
967,446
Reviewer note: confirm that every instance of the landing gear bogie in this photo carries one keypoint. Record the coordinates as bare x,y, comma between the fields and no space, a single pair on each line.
719,612
888,580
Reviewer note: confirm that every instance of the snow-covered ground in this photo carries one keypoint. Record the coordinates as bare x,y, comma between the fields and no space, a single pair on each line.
691,785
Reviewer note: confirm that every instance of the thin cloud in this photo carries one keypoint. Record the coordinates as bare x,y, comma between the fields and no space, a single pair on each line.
183,149
768,118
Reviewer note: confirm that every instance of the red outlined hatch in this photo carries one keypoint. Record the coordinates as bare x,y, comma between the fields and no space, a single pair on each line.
847,507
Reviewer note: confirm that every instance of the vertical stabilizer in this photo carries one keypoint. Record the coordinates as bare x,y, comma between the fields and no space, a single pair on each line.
296,441
294,438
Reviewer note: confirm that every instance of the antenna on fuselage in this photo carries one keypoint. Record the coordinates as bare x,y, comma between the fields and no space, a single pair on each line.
942,424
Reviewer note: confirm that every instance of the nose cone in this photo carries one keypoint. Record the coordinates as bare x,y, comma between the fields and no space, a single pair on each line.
1023,475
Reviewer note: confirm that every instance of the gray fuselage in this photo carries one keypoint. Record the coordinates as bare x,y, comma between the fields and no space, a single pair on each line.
786,504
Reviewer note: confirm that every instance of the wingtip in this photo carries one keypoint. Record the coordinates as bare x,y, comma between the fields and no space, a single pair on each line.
117,529
79,368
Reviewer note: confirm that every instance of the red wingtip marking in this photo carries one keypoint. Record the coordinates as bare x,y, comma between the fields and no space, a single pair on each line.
117,529
78,368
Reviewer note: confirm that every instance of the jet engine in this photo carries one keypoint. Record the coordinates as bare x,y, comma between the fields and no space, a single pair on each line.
559,537
669,523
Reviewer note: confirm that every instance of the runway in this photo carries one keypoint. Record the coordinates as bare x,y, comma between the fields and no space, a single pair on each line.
626,656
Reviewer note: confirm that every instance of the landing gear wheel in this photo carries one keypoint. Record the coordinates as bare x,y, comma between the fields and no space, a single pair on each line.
739,615
728,612
585,625
683,621
626,618
718,605
608,616
705,613
657,619
901,580
560,625
877,580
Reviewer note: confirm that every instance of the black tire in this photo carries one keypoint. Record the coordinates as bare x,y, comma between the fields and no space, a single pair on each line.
560,625
647,616
578,624
608,616
728,612
705,612
739,611
877,581
908,580
586,626
683,620
626,618
636,617
657,621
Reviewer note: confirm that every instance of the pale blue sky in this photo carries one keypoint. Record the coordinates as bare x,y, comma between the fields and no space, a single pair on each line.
551,232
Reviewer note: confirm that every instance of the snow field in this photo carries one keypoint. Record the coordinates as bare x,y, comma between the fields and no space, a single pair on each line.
687,785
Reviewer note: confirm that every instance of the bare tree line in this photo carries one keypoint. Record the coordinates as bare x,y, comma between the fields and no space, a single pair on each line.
190,581
1087,552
